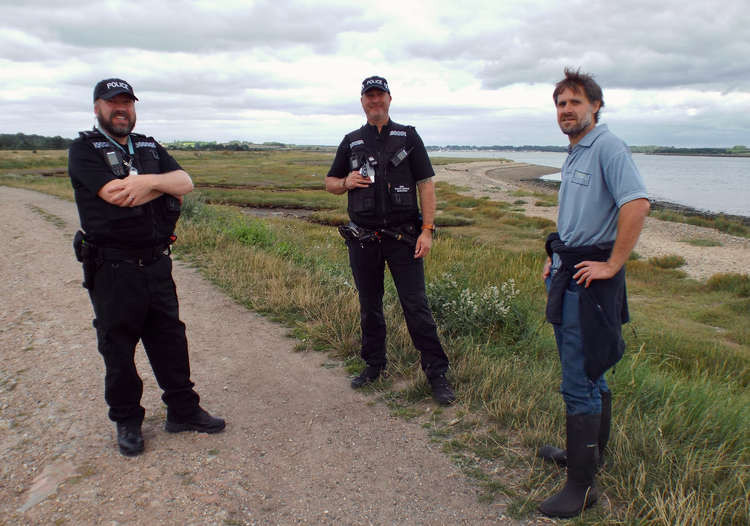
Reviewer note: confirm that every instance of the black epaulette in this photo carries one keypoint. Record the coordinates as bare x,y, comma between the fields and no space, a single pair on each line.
90,134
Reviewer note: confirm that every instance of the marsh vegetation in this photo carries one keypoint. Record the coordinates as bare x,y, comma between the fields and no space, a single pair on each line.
680,448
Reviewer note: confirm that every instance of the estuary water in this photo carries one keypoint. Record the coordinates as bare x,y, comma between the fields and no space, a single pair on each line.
712,184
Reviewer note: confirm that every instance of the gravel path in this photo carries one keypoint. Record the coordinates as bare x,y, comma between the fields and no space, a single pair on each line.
499,180
300,446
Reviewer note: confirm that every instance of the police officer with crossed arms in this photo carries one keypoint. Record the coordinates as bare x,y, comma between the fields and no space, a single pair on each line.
382,167
128,190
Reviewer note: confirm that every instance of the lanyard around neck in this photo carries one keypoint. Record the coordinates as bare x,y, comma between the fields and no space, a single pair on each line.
110,139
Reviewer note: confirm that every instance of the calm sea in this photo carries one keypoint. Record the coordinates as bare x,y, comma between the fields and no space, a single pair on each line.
714,184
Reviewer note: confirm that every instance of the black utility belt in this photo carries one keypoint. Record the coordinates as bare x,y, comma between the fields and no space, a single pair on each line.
140,256
406,232
88,252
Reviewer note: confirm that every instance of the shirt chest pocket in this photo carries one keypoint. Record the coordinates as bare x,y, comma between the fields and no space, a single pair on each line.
580,177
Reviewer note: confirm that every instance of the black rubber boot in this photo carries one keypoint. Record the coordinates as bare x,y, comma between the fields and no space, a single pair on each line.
580,491
560,456
605,425
553,454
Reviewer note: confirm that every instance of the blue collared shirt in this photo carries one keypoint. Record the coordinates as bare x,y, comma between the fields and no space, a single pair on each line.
598,177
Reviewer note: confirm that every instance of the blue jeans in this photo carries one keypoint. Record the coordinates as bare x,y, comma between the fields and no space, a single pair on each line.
581,395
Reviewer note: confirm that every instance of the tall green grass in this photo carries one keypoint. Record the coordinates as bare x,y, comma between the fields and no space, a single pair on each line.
679,452
25,161
308,199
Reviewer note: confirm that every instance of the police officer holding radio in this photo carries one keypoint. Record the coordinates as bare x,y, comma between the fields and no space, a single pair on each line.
382,167
128,190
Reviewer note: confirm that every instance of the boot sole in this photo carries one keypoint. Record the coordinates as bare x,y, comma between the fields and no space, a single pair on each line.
358,383
131,452
176,427
567,515
444,402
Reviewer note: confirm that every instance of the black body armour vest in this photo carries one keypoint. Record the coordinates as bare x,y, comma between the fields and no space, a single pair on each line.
107,225
392,199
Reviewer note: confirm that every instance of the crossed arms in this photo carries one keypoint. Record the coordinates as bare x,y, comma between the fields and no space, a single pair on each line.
136,190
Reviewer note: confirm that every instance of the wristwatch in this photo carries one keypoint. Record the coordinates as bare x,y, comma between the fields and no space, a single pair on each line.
429,227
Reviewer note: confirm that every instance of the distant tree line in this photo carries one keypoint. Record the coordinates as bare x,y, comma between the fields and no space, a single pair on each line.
237,146
524,148
739,150
234,146
21,141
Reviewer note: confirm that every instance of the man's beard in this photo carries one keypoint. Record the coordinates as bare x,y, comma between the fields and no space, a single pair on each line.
113,130
577,129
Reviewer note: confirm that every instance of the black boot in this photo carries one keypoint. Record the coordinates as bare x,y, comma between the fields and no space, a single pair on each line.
605,425
579,492
200,420
442,391
553,454
560,456
129,438
367,376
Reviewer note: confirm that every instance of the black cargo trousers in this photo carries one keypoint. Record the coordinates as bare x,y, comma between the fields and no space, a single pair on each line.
138,301
368,261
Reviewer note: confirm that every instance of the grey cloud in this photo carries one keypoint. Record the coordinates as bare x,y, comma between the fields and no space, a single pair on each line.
178,26
212,83
22,48
626,44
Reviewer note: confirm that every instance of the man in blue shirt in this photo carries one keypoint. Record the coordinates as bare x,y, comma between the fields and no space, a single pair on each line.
603,204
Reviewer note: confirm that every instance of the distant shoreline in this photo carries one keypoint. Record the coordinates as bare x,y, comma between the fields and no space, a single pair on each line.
741,155
531,174
554,149
689,211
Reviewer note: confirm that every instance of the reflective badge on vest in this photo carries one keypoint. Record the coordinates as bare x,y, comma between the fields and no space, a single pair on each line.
356,143
400,133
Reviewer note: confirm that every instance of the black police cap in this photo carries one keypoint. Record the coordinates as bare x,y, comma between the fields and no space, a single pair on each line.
375,82
108,88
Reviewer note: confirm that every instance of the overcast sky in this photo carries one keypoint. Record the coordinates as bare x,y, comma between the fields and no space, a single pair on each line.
463,72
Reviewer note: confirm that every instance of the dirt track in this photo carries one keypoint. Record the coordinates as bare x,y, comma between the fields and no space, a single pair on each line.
300,447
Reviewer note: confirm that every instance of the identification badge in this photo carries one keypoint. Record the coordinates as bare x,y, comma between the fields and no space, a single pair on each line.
132,170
